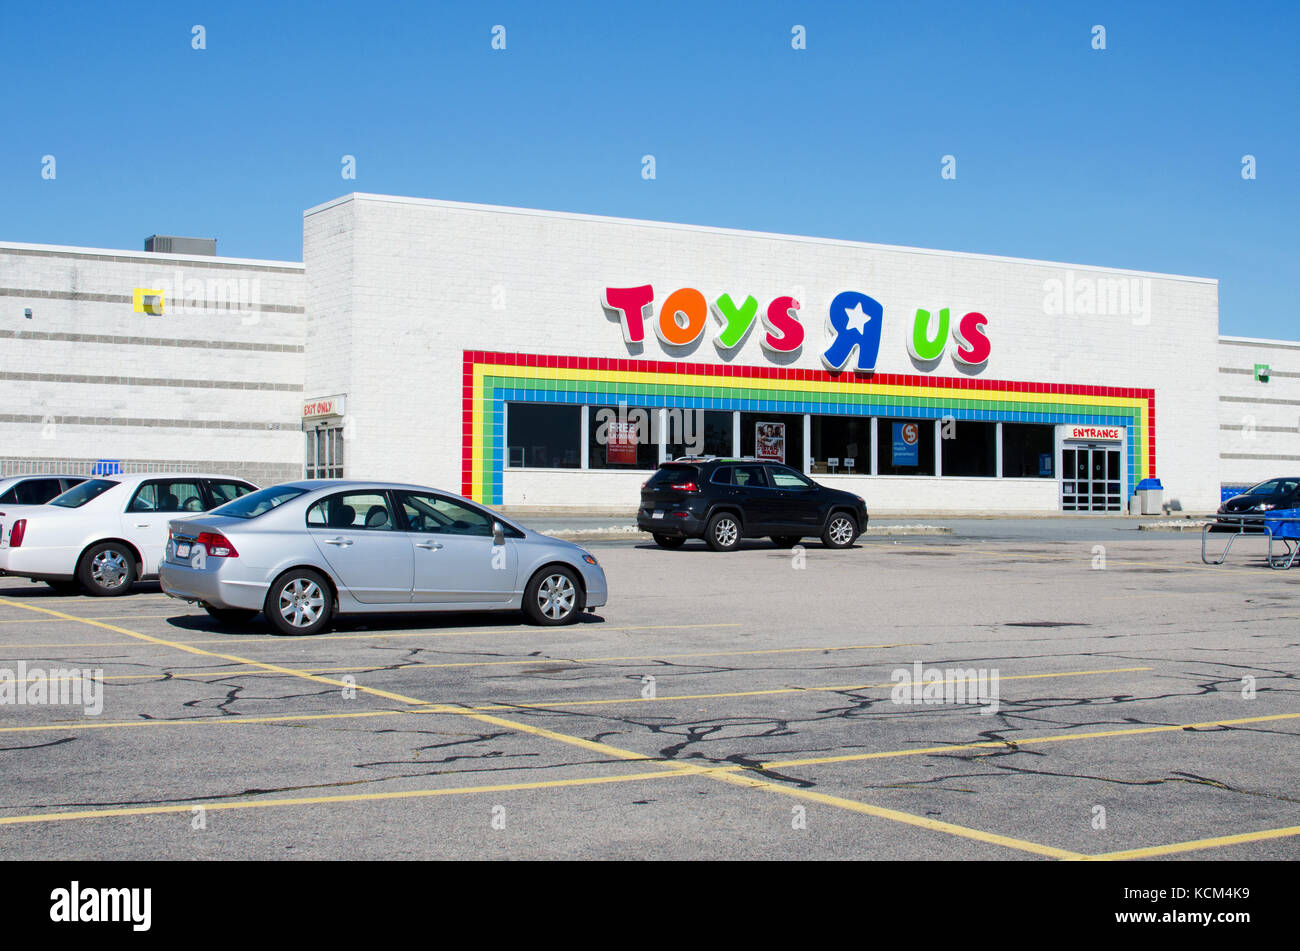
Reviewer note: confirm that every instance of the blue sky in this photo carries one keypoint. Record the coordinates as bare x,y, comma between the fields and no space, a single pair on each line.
1127,157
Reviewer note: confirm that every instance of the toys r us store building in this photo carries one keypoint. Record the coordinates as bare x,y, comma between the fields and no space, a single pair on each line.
535,359
541,359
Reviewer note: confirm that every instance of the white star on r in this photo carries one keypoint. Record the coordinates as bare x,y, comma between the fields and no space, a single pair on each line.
857,318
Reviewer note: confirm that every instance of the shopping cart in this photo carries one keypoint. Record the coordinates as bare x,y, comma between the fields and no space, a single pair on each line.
1283,525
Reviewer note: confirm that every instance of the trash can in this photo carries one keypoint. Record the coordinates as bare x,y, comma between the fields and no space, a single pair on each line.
1135,504
1149,490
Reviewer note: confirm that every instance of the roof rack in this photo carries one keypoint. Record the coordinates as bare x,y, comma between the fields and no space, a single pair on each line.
714,459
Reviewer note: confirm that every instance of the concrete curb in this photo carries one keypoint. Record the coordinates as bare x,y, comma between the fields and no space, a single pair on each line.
625,531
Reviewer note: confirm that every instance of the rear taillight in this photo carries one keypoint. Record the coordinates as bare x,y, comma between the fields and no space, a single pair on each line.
218,546
17,532
685,487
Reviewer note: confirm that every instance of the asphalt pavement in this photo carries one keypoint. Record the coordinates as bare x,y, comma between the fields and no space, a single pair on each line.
1118,699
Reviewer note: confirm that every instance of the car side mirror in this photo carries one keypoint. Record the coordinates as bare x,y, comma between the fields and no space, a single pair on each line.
498,534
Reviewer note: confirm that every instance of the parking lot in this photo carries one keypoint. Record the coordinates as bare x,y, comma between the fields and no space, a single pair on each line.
721,706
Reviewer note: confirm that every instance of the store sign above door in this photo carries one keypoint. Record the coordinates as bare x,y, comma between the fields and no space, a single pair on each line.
1094,432
323,407
852,324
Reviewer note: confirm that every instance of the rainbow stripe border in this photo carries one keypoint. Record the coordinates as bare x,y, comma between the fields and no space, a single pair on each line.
491,379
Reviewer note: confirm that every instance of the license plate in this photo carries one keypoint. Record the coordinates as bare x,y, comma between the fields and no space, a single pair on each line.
658,513
183,551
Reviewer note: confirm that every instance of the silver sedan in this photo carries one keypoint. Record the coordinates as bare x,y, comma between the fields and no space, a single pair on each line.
304,552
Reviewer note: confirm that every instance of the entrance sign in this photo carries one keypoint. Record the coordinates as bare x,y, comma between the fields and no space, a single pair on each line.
1094,432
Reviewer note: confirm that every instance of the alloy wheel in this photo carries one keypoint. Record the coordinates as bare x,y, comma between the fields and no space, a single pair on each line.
301,602
556,596
726,532
841,530
109,569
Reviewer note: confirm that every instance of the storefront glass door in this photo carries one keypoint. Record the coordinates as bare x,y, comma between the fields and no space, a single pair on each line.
1090,478
323,458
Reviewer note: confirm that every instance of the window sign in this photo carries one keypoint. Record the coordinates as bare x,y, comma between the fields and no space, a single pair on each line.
769,441
622,445
907,439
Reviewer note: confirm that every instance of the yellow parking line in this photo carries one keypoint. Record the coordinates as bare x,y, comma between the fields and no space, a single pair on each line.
603,748
121,617
200,721
527,662
222,805
1196,845
894,815
1011,744
277,640
1045,556
200,675
780,690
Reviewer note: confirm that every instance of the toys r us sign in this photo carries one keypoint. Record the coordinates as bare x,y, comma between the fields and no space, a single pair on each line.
853,323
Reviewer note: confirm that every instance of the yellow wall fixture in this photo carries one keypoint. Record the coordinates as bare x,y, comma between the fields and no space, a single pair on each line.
148,301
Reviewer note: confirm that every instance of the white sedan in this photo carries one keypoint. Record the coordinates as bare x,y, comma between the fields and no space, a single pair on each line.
108,532
36,488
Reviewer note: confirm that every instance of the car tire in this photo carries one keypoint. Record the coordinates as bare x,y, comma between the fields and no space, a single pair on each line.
68,588
554,596
786,541
230,615
670,541
107,570
841,530
299,603
724,532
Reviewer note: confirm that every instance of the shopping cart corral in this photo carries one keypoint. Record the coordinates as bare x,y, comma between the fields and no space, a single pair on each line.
1281,527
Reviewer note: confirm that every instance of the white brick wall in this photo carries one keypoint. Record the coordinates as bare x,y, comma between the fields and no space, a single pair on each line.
137,372
422,279
1259,423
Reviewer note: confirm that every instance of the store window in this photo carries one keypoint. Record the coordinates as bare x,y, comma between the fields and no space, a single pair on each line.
905,447
623,437
543,436
324,453
1028,452
841,444
773,437
969,449
698,432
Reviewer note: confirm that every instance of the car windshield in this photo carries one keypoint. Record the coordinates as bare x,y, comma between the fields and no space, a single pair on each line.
1274,487
79,495
259,502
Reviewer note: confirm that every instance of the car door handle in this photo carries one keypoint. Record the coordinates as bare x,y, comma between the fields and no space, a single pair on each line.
144,524
341,542
428,546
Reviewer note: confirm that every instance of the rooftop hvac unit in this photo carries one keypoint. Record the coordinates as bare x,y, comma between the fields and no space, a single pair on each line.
168,244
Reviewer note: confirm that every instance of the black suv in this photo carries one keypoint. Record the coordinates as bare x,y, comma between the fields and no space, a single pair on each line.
725,500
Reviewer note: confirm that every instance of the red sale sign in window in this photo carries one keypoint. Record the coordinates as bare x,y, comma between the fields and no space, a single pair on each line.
621,447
